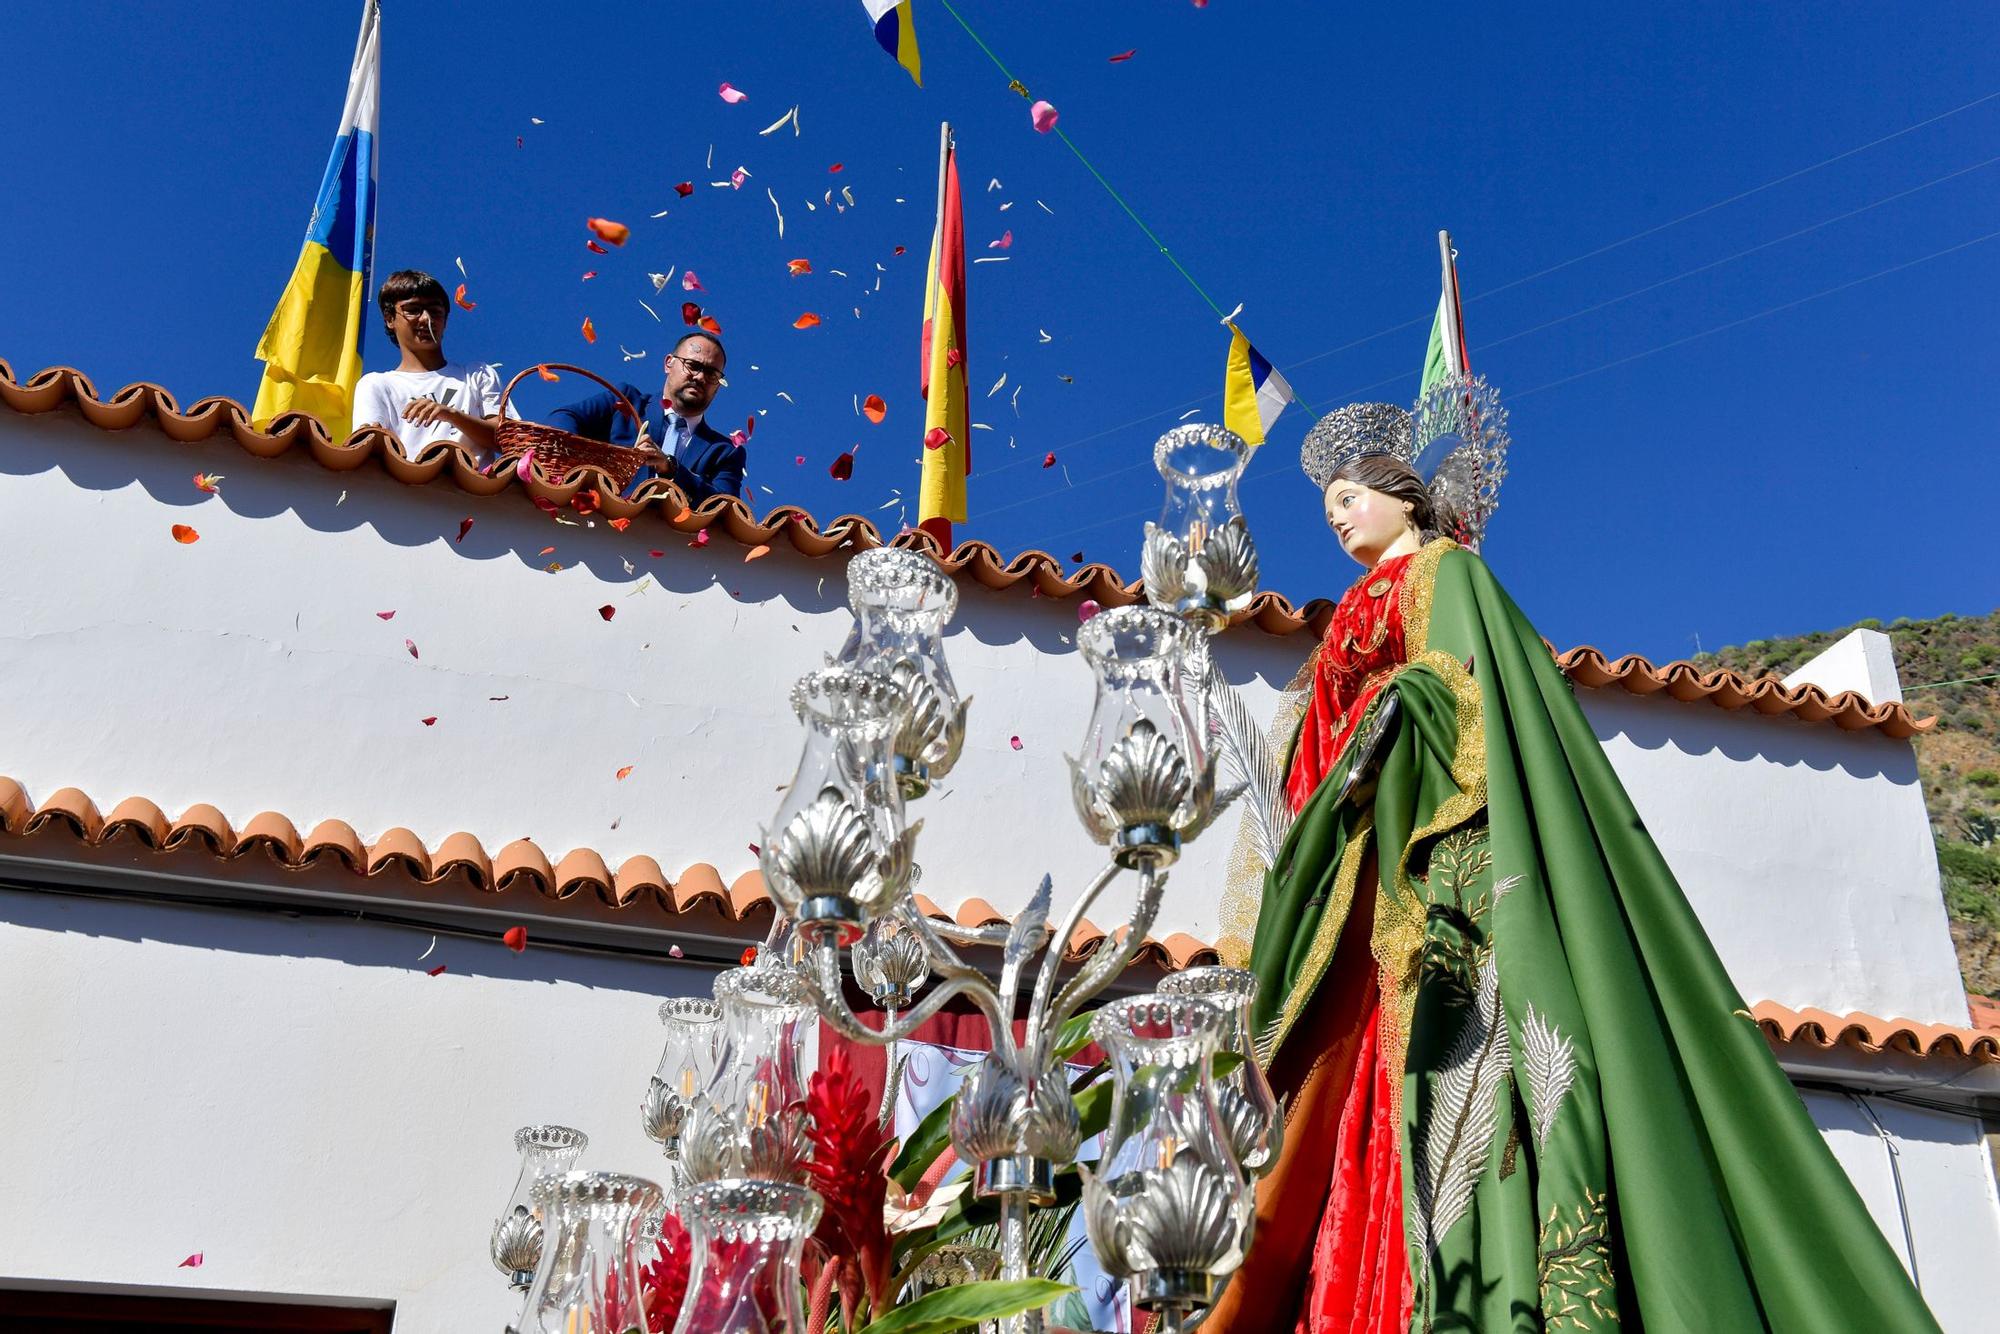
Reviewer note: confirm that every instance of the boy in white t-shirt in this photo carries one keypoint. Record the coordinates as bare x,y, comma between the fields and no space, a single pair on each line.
427,398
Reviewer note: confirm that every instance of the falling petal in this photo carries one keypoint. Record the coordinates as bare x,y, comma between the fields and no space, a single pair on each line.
749,956
1047,337
589,274
675,952
843,467
459,297
775,209
874,409
460,261
589,330
756,553
620,524
607,231
710,323
464,527
1006,240
1049,459
779,123
546,373
732,95
737,177
385,615
1014,741
607,611
1043,116
595,248
690,283
936,438
690,313
1087,609
185,535
799,266
437,971
700,539
625,772
516,938
806,321
206,481
192,1262
684,189
799,461
430,721
411,645
1124,56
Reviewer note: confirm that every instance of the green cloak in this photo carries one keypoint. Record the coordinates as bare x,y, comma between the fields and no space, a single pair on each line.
1594,1131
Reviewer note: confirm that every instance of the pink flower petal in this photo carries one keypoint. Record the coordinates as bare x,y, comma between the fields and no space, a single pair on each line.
1043,114
1014,741
1006,239
386,615
521,469
1087,609
192,1262
411,645
732,95
690,283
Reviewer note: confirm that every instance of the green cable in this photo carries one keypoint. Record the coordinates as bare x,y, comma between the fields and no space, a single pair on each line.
1962,681
1119,199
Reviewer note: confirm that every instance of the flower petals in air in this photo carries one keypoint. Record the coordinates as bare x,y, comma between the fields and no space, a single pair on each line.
192,1262
806,321
749,955
436,972
936,438
1015,742
411,645
185,535
589,330
732,95
675,952
464,527
690,283
690,313
459,298
430,721
624,773
874,409
609,232
546,373
710,323
799,266
516,938
684,189
1087,609
1124,56
756,553
700,539
206,481
385,615
620,524
595,248
737,177
589,274
843,467
1006,240
1049,459
1043,115
607,611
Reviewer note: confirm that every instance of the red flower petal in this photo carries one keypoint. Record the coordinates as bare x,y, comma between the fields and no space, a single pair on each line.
1014,741
843,467
411,645
710,323
607,611
595,248
1087,609
1049,459
690,313
806,321
192,1262
625,773
185,535
386,615
684,189
516,938
612,233
1124,56
464,527
463,304
431,721
436,971
749,956
936,438
799,266
620,524
874,409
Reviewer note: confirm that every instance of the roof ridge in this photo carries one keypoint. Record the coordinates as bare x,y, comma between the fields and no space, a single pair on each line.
1873,1033
52,388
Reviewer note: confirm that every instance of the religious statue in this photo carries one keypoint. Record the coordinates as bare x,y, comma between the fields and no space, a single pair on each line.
1523,1092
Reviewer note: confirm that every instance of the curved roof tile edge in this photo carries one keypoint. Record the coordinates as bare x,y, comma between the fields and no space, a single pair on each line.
579,872
1872,1033
52,388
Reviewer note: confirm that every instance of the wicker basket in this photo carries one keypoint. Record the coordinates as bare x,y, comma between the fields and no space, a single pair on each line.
558,454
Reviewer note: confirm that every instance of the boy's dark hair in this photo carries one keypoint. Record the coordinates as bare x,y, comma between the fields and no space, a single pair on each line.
400,287
706,337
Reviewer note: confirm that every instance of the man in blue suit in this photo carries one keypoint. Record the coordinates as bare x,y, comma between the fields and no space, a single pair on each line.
678,441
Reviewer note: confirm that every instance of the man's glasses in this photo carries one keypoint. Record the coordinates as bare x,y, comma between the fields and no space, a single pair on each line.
699,368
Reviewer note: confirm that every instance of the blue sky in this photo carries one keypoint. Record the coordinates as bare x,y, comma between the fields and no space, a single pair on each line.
1727,456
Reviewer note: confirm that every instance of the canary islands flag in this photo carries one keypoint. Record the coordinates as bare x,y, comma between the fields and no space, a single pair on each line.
897,32
1253,393
311,350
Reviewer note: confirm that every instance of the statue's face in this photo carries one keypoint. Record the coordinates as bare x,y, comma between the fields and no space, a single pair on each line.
1366,521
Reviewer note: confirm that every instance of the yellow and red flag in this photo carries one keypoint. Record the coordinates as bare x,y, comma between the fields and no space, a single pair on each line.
947,409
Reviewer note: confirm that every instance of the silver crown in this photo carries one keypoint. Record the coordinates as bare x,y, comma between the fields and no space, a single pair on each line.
1352,432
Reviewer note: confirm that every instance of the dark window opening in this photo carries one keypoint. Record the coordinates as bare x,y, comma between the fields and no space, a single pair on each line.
99,1313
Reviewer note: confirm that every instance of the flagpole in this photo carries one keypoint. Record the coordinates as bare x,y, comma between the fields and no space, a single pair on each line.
1445,257
944,152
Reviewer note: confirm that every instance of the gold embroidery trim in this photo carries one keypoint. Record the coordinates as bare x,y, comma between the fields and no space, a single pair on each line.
1326,938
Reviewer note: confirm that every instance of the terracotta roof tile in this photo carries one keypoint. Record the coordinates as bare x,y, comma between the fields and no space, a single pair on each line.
51,389
1871,1033
579,873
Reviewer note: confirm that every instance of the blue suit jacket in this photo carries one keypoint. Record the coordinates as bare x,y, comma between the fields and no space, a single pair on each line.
710,463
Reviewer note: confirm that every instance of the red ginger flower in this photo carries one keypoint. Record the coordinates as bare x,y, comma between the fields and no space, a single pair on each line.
665,1280
850,1156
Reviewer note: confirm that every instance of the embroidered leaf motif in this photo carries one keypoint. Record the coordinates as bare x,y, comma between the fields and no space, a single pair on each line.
1550,1063
1575,1267
1465,1115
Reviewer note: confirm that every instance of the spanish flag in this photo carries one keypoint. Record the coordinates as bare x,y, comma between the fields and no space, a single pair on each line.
896,30
311,350
947,415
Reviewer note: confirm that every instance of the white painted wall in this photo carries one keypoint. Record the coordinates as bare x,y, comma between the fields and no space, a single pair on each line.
299,1102
1953,1217
250,670
1804,849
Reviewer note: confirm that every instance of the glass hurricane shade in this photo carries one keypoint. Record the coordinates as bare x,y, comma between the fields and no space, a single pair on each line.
749,1240
1167,1206
687,1067
1198,560
589,1275
1248,1108
517,1235
1145,777
751,1121
902,601
838,853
